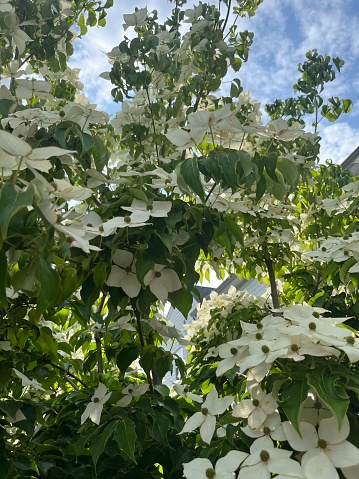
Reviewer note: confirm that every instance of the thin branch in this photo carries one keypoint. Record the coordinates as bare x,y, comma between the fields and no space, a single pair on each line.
273,285
142,341
210,192
227,16
67,373
98,339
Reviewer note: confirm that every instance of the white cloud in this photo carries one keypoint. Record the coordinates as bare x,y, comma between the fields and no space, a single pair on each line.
339,140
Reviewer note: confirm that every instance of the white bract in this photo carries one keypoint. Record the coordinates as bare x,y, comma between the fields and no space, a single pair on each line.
161,281
123,273
25,381
265,459
325,449
131,391
94,408
256,409
224,468
206,419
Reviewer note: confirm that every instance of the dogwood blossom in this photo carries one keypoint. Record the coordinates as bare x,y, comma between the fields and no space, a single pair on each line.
25,381
224,468
265,460
158,209
256,409
94,408
206,419
131,391
325,449
161,281
123,273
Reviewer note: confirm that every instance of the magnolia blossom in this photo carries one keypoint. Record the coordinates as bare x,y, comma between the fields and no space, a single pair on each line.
224,469
325,449
123,273
161,281
94,408
131,391
206,419
256,409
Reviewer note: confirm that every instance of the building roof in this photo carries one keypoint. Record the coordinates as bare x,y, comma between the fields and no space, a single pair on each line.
352,162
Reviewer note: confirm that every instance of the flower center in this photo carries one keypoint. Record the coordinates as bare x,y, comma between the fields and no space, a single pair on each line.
316,314
259,336
70,239
350,340
312,326
323,248
158,274
259,326
255,402
130,390
204,411
185,390
294,347
266,430
210,473
96,400
234,351
322,443
167,182
264,455
318,405
149,207
128,269
127,219
265,349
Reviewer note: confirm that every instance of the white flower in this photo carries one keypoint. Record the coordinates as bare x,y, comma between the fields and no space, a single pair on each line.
138,218
270,427
256,409
185,393
131,391
224,469
265,460
122,323
314,410
94,408
25,381
326,449
232,356
158,209
135,19
123,273
206,419
161,281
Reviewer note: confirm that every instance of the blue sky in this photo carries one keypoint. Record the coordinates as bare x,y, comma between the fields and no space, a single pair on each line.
284,31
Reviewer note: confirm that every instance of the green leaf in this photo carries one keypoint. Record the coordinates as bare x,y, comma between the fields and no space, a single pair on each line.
288,170
189,177
100,274
125,357
11,201
328,389
292,399
138,194
125,435
48,286
228,160
100,442
161,425
235,230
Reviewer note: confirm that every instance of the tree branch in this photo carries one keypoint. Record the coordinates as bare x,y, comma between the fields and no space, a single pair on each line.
273,285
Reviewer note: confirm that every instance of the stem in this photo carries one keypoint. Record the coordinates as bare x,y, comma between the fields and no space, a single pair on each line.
273,285
210,192
227,16
98,339
142,342
67,373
